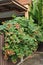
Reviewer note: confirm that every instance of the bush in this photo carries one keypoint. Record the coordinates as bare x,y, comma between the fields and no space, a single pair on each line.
21,38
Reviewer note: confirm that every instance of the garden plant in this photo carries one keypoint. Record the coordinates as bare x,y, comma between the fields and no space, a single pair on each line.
21,38
22,35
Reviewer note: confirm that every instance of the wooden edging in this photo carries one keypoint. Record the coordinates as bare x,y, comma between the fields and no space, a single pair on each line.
29,57
39,52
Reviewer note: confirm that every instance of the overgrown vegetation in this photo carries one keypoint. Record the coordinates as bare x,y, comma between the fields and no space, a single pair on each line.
37,11
21,38
36,14
22,35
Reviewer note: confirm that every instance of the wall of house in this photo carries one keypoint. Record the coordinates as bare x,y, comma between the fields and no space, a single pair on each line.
1,0
26,3
8,14
5,0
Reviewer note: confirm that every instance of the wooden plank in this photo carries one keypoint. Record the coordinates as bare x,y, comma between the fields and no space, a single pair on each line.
10,13
2,61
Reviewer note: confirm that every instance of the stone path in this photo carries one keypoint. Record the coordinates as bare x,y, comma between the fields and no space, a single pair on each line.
36,60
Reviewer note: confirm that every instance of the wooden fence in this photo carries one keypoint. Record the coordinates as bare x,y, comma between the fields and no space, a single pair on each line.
2,61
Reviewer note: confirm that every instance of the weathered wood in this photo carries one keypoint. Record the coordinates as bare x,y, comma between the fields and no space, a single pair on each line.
2,61
1,44
26,14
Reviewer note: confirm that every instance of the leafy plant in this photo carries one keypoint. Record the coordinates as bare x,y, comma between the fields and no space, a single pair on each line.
36,14
22,35
20,38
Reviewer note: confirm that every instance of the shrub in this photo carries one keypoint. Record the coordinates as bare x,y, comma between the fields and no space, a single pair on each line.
21,38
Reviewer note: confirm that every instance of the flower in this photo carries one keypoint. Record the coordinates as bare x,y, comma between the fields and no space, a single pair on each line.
9,52
17,26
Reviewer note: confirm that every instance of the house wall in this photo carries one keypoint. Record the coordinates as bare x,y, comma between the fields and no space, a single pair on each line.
26,3
8,14
5,0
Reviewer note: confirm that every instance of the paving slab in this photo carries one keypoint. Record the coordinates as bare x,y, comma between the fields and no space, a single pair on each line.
37,59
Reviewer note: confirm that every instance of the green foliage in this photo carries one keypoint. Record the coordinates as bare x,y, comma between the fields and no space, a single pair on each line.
36,14
36,11
21,38
22,35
